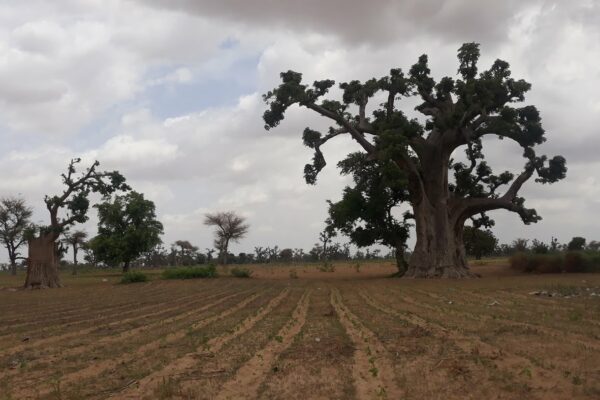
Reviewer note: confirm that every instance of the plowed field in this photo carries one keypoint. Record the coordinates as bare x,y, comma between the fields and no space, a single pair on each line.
348,334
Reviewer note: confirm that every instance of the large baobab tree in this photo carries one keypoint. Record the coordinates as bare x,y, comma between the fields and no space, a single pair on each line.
229,227
15,218
457,114
42,267
76,240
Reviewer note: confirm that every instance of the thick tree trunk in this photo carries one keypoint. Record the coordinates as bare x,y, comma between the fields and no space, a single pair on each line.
13,268
42,264
439,251
126,266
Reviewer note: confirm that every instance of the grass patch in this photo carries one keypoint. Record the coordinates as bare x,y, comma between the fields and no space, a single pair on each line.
240,272
209,271
134,277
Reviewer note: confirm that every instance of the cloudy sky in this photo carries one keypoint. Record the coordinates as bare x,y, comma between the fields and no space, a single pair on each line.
169,93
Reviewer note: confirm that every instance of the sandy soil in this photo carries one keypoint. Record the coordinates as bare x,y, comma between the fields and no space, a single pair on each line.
295,332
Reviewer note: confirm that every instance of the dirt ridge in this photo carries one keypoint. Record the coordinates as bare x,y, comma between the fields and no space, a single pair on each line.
372,370
248,378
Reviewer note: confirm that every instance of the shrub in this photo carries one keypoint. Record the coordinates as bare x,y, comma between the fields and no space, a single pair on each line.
570,262
239,272
209,271
520,262
575,262
548,264
133,277
326,267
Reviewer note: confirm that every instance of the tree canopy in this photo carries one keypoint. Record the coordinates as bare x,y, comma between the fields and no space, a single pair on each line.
15,220
229,227
456,113
127,227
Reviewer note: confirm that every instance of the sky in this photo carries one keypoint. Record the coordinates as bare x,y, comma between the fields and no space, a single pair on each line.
169,93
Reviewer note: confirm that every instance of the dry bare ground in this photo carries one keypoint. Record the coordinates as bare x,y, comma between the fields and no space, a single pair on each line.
307,334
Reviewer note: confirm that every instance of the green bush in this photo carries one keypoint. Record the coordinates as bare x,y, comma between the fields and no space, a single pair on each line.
209,271
239,272
569,262
133,277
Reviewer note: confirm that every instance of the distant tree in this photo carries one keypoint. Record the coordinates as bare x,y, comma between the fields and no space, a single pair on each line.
230,227
158,256
15,220
457,113
539,247
286,255
520,245
209,254
554,245
298,254
479,242
272,253
594,245
186,254
127,227
43,272
75,239
89,252
576,244
325,238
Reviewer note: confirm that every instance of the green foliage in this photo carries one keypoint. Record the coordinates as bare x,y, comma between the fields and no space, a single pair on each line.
479,242
127,227
75,197
576,244
208,271
364,213
240,272
400,158
134,277
569,262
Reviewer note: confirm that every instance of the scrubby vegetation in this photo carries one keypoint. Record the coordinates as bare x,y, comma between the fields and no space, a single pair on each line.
569,262
208,271
134,277
240,272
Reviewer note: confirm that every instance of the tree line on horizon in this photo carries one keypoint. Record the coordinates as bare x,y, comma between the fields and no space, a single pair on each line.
146,249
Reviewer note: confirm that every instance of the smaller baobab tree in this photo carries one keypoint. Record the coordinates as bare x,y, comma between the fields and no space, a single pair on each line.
76,240
229,227
42,268
15,218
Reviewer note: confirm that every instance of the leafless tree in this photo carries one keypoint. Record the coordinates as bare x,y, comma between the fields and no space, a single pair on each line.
14,220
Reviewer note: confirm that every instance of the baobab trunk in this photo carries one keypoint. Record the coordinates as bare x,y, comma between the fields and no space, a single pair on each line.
42,264
439,251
